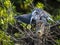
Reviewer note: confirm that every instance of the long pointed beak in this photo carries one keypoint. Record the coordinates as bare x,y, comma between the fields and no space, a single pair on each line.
50,19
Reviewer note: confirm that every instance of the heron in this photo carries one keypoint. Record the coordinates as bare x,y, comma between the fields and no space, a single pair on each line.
37,14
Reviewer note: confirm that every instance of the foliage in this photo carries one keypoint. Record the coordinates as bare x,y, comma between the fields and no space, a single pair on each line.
27,3
58,0
6,14
58,41
57,17
56,12
5,39
40,5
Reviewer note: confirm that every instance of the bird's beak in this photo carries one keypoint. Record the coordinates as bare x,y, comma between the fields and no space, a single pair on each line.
50,19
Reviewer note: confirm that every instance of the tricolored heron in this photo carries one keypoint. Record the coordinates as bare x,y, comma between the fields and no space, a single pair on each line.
37,14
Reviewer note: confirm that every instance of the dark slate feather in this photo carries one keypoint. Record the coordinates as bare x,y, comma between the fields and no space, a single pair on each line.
24,18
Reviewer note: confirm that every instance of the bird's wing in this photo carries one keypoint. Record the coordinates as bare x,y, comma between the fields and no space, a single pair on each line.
24,18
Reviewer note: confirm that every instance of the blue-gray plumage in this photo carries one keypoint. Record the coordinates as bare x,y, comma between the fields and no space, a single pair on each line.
37,14
40,14
24,18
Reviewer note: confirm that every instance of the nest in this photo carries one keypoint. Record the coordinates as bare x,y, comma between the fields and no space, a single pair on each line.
43,35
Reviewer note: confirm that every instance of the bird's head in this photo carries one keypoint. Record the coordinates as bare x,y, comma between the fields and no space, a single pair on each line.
35,15
40,13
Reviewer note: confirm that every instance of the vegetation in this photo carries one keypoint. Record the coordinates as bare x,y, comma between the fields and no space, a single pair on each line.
11,8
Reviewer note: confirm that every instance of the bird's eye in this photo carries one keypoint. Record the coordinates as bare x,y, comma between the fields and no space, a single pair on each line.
36,13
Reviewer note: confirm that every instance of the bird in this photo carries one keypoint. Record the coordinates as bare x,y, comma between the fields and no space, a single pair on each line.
40,14
36,14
